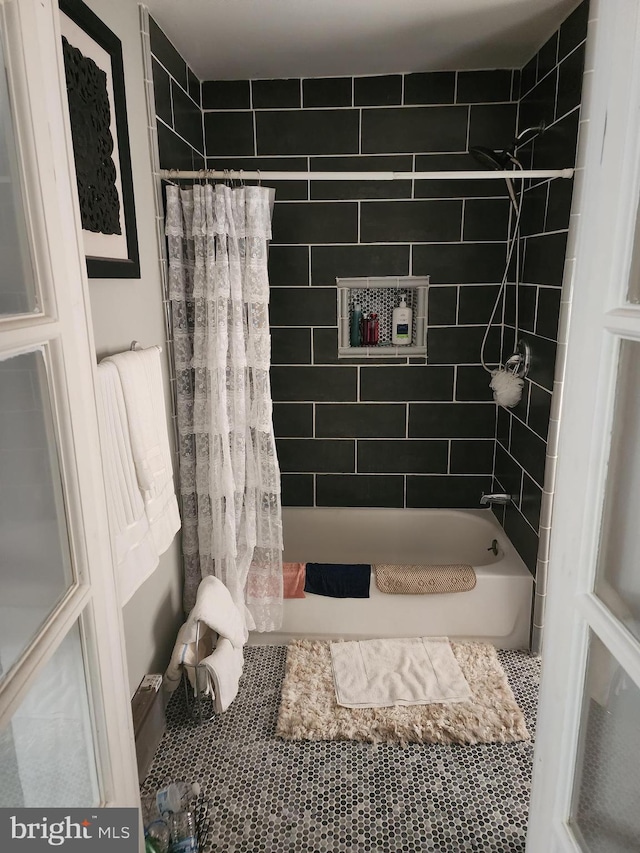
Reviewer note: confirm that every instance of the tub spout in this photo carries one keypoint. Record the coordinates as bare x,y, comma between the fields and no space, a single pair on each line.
495,499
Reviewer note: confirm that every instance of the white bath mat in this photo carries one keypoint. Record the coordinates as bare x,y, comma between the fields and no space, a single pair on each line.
411,671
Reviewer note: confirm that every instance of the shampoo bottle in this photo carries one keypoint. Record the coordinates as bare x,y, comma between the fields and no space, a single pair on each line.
371,330
355,335
401,324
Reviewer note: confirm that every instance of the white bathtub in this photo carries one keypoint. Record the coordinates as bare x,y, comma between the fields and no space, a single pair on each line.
497,610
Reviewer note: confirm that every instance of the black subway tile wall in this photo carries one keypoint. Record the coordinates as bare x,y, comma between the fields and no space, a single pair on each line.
354,431
360,420
406,432
178,103
551,87
361,189
329,262
327,92
360,490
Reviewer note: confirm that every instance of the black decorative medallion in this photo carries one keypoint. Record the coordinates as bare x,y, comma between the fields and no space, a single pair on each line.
92,142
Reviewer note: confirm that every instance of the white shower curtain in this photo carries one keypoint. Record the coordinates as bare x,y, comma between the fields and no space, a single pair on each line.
229,475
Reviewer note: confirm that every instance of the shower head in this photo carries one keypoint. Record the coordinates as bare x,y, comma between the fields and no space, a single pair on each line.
501,160
498,160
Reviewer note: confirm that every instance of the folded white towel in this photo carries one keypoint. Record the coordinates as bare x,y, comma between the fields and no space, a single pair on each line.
134,548
141,376
412,671
224,665
216,612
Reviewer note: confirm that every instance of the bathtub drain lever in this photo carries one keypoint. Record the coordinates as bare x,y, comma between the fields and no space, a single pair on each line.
494,547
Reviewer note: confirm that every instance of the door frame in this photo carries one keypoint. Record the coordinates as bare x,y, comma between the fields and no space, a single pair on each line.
608,189
31,42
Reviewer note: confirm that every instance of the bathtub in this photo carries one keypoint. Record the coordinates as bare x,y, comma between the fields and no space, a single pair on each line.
497,610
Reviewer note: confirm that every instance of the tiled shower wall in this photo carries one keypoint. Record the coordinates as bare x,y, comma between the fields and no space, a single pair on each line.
551,88
177,95
398,432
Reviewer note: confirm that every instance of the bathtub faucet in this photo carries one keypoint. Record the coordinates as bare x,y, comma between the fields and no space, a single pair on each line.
495,499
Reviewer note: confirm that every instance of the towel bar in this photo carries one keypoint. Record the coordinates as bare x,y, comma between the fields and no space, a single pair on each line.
135,345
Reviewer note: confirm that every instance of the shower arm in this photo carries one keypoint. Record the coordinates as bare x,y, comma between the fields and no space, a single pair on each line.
476,175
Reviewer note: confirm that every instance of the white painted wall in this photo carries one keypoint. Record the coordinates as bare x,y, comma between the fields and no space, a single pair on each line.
331,38
130,309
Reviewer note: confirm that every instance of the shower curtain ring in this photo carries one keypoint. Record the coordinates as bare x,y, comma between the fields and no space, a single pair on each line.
259,178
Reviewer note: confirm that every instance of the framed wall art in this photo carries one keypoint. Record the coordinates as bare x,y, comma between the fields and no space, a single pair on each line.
95,89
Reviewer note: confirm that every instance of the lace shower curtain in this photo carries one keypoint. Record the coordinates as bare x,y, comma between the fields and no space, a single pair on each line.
229,475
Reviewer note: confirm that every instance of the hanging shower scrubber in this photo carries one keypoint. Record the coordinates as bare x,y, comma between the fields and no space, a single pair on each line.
507,387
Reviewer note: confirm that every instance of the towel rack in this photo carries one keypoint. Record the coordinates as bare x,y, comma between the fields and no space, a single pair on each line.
135,346
201,711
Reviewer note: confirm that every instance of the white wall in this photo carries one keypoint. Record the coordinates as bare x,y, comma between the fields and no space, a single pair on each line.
131,309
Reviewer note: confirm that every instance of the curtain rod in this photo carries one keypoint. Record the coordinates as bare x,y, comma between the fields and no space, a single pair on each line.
176,174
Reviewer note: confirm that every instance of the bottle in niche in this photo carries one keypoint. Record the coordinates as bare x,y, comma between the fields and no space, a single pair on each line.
372,327
355,335
401,323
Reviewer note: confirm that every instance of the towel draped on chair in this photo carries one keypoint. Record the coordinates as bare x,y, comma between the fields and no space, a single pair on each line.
214,613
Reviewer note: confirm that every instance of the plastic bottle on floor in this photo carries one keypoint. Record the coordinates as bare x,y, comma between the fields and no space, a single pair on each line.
156,830
183,833
157,837
176,797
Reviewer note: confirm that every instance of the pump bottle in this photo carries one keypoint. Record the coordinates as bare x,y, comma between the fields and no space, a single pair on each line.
401,323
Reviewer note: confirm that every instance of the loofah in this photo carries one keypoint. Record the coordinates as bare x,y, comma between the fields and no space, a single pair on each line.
507,388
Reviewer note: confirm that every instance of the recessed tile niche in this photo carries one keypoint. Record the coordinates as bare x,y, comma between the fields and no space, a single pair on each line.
380,296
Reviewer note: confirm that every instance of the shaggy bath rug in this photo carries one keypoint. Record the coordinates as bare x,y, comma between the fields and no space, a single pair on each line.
308,708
